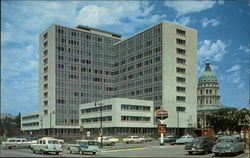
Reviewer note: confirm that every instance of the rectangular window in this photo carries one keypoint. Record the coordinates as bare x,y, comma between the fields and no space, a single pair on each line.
180,61
45,61
180,70
45,53
180,79
45,112
179,108
45,36
180,51
180,32
180,89
180,98
45,44
180,41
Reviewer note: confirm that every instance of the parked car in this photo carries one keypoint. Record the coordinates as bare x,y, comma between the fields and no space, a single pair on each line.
146,138
171,139
107,140
133,139
228,144
46,145
12,143
83,146
200,145
184,139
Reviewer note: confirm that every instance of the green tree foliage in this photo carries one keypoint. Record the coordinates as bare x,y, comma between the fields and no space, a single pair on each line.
227,119
11,127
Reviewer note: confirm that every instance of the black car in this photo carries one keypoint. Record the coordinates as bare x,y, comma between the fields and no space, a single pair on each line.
171,139
200,145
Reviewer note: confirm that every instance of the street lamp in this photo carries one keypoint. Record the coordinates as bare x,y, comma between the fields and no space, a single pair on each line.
52,112
100,104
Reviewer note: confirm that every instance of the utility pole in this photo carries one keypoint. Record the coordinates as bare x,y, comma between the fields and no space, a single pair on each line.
100,104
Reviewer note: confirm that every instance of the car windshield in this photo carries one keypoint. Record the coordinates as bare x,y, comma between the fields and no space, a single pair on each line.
225,141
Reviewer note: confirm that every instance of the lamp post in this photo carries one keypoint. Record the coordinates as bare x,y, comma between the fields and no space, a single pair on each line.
100,104
52,112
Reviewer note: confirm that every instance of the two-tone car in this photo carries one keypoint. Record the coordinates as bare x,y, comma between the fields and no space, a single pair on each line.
200,145
47,145
228,145
82,146
12,143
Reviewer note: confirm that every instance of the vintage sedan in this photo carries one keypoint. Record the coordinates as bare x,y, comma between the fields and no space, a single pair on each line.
184,139
200,145
82,146
228,145
171,139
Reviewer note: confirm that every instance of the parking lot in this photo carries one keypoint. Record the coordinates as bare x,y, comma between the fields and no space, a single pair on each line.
150,149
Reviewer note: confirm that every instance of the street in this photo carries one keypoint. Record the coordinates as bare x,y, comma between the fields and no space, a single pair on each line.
151,149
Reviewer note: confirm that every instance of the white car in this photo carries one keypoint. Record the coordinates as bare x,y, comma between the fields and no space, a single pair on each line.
16,143
133,139
46,145
107,140
184,139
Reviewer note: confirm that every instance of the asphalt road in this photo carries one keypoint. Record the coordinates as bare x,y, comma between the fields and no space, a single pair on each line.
151,149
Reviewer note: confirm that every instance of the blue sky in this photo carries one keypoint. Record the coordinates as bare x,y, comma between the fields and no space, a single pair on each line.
223,38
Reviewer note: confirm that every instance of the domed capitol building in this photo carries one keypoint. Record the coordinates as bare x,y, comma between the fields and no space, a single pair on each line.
208,94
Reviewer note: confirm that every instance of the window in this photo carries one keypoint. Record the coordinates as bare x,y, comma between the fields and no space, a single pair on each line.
179,108
180,51
45,36
45,44
180,70
45,86
206,91
180,32
45,103
180,89
45,53
180,79
180,98
180,41
181,61
45,61
45,112
210,91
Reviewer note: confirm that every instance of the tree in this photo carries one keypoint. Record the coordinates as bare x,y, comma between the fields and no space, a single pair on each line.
227,119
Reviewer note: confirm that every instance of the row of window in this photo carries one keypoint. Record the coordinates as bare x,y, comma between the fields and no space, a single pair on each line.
135,118
209,91
96,119
97,109
30,117
30,124
135,107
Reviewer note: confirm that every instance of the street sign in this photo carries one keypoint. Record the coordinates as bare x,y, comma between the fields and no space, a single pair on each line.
162,128
161,114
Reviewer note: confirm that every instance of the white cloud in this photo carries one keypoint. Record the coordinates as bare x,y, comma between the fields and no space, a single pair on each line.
206,22
212,51
184,21
244,48
234,77
185,7
234,68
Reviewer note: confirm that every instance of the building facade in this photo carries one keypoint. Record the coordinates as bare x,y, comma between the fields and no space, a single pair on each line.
82,65
119,116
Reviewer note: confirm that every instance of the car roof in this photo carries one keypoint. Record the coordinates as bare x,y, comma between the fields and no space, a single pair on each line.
228,137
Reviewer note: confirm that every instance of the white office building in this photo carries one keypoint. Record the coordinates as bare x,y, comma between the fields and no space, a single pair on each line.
119,116
83,65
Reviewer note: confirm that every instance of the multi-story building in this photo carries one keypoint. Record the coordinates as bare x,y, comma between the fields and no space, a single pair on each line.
81,65
118,116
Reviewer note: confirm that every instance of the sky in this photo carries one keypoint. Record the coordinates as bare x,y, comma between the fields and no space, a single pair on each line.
223,38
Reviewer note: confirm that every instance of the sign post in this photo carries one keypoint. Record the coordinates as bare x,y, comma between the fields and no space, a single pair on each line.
161,115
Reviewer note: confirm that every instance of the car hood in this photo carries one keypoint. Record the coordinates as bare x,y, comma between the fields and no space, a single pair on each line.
223,145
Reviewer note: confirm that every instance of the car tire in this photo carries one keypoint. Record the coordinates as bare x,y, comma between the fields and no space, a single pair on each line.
190,152
216,154
81,152
93,153
57,153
